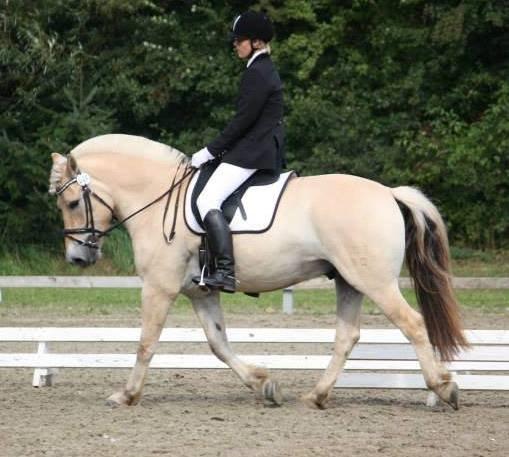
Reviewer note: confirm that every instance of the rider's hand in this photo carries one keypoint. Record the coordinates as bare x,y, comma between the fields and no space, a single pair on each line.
200,157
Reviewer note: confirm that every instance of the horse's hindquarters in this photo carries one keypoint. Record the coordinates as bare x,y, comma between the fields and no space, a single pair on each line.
324,223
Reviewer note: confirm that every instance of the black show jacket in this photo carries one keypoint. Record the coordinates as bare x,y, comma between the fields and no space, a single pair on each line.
254,138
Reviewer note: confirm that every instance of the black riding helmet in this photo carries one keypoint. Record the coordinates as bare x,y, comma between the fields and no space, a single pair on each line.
253,25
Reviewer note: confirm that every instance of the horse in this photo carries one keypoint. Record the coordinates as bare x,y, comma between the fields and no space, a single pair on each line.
358,229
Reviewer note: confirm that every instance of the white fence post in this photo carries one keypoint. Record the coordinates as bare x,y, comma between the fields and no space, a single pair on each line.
383,358
43,376
288,300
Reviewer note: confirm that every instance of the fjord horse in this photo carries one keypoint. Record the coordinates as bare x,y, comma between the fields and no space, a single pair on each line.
360,230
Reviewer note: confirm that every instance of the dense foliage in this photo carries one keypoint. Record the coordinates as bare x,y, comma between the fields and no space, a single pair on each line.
401,91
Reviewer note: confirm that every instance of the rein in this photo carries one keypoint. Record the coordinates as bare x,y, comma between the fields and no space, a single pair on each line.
92,241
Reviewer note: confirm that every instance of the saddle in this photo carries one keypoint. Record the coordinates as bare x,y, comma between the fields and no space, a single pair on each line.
250,209
234,201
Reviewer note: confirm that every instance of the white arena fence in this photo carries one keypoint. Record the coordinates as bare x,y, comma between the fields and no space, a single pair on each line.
383,358
134,282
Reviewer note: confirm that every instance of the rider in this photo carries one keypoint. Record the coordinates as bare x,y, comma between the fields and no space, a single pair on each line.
252,140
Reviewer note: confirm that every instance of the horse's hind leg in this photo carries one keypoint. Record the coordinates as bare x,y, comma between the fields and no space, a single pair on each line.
348,310
210,314
411,323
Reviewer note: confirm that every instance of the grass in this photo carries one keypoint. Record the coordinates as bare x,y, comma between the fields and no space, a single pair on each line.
118,260
79,302
477,263
49,260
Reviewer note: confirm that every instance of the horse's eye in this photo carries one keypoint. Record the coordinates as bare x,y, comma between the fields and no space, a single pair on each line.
74,204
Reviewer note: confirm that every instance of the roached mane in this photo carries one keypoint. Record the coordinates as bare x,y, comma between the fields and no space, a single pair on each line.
119,144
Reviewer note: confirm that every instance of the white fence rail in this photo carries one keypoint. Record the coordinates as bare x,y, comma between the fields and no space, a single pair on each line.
134,282
382,359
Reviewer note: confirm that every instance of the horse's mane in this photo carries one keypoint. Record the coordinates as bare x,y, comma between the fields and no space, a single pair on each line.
131,145
135,146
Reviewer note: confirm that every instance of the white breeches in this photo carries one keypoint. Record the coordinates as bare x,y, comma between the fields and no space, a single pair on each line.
223,182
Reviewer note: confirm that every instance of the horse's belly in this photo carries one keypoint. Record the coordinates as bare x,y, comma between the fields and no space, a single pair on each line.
278,275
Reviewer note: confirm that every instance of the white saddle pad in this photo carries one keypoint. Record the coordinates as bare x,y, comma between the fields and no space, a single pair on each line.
260,204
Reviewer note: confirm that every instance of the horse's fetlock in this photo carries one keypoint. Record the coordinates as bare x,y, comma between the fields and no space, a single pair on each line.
315,400
431,385
446,377
261,374
322,397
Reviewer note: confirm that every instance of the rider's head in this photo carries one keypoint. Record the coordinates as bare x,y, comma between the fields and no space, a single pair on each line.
251,31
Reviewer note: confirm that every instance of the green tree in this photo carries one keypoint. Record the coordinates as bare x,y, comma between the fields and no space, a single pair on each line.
401,91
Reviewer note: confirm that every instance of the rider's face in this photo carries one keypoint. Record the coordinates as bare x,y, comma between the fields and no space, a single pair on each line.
243,47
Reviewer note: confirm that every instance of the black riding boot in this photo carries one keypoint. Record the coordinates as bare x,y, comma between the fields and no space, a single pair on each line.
219,238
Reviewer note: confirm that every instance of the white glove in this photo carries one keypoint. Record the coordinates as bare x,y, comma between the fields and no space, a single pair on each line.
200,157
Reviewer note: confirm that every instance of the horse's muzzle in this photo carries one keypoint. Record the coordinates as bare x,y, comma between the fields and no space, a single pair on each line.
81,256
81,262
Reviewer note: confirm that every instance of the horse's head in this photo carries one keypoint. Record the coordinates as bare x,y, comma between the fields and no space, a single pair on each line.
86,214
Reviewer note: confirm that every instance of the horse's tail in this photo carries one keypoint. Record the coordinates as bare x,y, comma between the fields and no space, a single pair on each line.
428,262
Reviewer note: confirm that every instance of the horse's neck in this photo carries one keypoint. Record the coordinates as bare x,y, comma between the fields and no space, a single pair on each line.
132,182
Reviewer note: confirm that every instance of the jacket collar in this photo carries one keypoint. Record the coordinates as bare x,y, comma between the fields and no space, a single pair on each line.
255,55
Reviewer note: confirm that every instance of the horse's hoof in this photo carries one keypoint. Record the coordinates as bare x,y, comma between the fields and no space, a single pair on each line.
314,401
119,399
454,395
112,403
449,393
272,394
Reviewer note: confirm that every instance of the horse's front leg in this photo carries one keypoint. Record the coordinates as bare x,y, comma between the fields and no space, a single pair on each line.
155,304
210,314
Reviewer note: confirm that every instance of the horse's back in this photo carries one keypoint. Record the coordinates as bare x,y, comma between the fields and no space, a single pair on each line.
348,183
343,193
354,213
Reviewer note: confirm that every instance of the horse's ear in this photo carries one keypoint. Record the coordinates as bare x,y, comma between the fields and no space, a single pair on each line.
57,170
57,158
72,165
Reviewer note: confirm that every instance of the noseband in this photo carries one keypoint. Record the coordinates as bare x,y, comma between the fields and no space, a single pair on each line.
92,241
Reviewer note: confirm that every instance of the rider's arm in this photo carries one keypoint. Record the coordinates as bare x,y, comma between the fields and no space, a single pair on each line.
254,91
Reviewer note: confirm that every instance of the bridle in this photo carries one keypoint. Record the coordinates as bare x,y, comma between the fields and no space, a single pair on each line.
92,241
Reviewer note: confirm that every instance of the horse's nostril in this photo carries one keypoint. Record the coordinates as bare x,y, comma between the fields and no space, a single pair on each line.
79,261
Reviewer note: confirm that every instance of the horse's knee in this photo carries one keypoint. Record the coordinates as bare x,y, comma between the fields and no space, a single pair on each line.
348,340
145,352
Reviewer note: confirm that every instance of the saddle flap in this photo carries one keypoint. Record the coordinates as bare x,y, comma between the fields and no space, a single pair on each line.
250,208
